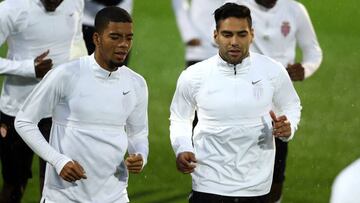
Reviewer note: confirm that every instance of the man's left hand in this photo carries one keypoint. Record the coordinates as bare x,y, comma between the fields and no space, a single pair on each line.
281,126
296,72
134,163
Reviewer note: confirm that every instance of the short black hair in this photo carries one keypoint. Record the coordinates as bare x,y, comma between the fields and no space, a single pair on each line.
232,10
110,14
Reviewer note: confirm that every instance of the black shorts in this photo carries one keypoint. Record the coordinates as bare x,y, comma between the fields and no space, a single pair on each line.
200,197
16,156
280,161
190,63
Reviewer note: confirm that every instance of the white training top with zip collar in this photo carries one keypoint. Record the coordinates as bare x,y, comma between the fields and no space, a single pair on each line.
97,116
233,141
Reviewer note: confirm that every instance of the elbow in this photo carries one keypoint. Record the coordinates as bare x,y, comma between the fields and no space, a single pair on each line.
19,124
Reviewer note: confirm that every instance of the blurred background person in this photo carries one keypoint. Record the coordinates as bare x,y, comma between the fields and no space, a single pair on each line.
280,26
90,10
195,22
346,186
40,34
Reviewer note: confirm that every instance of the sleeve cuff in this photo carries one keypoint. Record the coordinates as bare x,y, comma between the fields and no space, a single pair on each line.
59,165
29,68
183,145
287,139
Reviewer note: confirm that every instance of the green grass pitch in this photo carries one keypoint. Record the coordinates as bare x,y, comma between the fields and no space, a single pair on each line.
328,138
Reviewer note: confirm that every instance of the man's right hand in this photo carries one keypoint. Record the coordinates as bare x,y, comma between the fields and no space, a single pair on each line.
296,72
72,172
185,162
42,65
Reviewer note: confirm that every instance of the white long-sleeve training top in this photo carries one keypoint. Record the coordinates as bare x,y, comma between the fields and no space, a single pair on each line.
195,20
92,7
97,115
280,29
30,31
233,141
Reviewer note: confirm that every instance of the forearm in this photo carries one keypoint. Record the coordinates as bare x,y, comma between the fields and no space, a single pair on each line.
311,61
183,20
180,136
32,136
139,144
293,114
287,101
23,68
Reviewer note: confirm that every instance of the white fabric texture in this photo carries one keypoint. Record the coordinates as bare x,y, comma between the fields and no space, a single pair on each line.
30,31
195,19
233,141
346,186
280,29
97,116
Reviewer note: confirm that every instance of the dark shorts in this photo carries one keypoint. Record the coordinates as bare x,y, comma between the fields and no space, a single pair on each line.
190,63
280,161
16,156
200,197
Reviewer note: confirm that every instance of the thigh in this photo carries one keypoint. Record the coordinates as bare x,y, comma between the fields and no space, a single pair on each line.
280,161
16,156
88,32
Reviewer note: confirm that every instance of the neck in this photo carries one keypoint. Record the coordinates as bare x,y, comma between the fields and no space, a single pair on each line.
109,66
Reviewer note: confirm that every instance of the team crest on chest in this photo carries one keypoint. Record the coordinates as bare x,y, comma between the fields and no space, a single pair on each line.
285,28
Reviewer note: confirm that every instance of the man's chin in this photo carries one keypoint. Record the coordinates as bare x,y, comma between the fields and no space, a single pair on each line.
117,63
235,60
50,9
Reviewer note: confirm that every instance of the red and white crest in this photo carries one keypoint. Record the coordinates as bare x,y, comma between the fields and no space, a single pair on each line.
285,28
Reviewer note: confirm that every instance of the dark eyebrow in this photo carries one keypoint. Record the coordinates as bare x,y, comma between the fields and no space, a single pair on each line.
231,32
120,34
226,32
242,31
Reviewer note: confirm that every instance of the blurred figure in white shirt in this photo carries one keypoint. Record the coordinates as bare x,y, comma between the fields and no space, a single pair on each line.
40,34
346,186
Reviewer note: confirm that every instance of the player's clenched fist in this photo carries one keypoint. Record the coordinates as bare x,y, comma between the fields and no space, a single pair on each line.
185,162
134,163
72,172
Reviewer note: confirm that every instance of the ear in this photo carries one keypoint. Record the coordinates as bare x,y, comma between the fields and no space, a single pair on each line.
216,36
252,34
96,38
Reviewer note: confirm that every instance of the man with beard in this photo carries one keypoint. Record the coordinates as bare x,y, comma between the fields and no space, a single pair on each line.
99,111
231,153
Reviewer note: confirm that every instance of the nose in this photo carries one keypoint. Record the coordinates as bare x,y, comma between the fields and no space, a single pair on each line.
234,41
123,43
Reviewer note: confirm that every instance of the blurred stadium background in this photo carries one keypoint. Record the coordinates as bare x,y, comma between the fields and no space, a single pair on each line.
328,138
